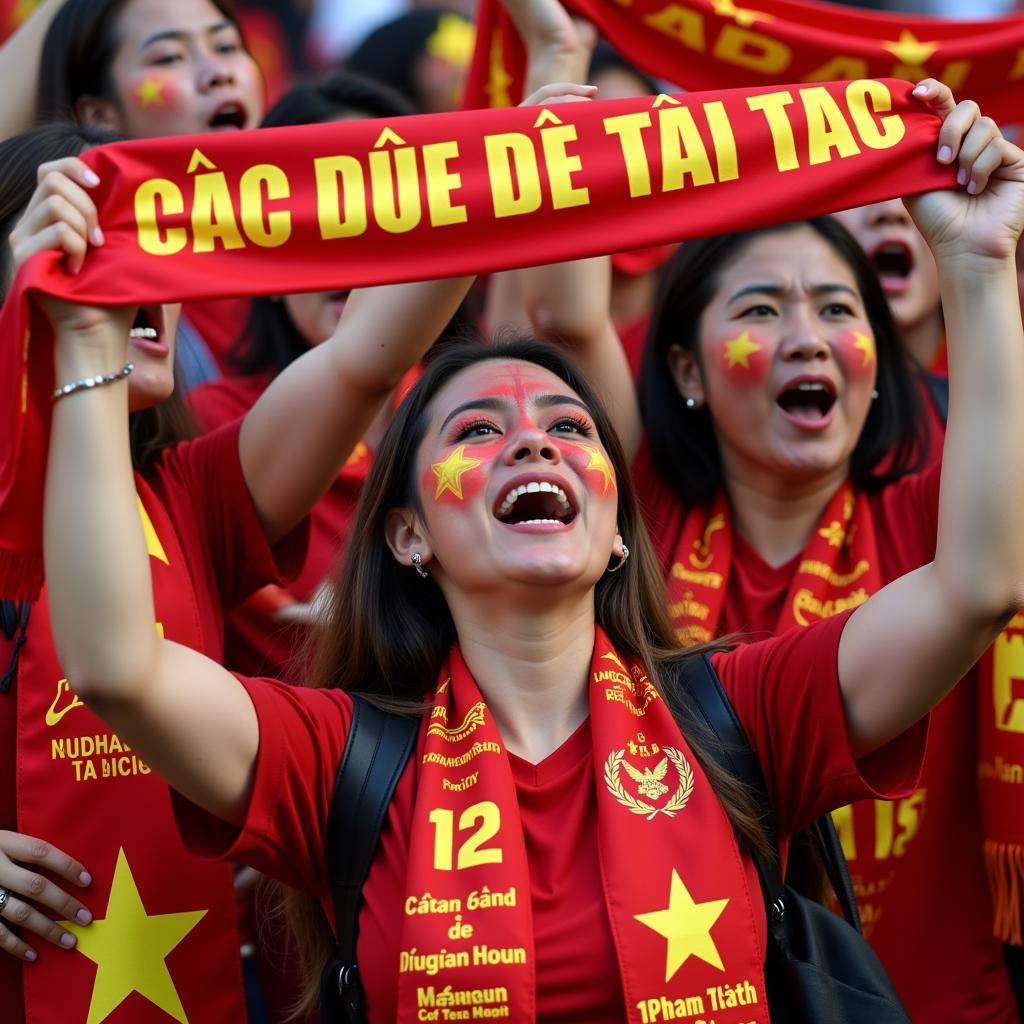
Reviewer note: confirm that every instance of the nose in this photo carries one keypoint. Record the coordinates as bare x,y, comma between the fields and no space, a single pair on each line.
215,70
890,212
804,341
531,444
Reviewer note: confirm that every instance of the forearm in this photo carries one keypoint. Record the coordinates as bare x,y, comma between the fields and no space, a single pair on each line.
97,570
19,62
980,548
298,435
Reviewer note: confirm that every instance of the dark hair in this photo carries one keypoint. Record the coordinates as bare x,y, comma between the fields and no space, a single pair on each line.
20,159
270,341
80,46
152,429
683,442
388,632
606,58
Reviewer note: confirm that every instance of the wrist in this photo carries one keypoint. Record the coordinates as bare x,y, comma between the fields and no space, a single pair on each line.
88,352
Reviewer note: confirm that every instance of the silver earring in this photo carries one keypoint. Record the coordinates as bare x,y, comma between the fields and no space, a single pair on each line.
417,564
622,559
874,394
691,403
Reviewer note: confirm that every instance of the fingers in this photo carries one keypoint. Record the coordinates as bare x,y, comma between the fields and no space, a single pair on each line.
558,92
29,850
23,916
936,95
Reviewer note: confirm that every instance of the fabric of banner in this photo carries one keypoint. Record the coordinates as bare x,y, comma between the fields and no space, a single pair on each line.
163,944
368,202
716,44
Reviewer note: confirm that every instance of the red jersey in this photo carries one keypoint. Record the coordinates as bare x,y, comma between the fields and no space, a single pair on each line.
933,906
201,485
786,694
256,644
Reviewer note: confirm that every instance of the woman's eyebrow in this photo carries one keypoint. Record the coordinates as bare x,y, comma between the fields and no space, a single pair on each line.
779,291
177,35
492,404
546,401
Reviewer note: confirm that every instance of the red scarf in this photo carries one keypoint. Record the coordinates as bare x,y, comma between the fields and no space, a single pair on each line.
164,933
683,925
207,216
719,44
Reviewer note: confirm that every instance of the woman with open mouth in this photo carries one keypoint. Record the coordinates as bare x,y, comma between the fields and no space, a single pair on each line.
500,586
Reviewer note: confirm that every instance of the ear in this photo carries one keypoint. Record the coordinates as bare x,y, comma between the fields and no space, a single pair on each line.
617,544
97,113
406,536
687,375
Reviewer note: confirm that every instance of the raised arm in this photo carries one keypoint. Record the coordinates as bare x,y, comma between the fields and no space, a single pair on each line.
19,62
570,303
908,645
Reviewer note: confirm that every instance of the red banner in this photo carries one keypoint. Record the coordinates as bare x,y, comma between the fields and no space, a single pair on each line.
370,202
716,44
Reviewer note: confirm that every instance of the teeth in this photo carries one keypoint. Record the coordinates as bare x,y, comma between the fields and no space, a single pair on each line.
143,332
810,386
534,487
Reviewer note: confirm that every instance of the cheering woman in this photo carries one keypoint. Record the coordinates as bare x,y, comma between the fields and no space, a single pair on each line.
478,590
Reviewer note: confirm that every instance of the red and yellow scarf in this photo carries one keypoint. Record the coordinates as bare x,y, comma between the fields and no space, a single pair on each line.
163,943
721,44
682,926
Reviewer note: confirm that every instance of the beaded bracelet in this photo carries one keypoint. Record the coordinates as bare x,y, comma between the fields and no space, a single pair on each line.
93,382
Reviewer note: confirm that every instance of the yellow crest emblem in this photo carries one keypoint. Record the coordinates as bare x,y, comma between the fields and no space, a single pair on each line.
650,783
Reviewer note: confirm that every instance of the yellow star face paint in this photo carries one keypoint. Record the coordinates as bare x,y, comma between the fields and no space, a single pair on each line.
449,473
744,356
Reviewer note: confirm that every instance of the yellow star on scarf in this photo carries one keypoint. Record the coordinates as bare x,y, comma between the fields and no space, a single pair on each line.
687,927
150,92
834,533
739,350
600,463
357,453
499,79
743,16
910,50
130,947
866,344
449,472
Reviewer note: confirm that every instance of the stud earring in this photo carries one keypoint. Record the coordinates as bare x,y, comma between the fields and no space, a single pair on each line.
417,564
622,559
691,403
874,394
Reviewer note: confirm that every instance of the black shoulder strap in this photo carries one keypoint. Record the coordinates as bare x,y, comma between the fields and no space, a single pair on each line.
376,753
710,703
938,391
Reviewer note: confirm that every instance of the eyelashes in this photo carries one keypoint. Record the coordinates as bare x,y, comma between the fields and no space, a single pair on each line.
470,428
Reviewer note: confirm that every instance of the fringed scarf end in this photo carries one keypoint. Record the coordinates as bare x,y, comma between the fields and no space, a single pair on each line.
1005,864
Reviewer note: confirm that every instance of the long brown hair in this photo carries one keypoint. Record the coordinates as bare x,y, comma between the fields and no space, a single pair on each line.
388,632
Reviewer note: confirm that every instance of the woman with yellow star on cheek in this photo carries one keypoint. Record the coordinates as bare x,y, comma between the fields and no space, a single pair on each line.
775,437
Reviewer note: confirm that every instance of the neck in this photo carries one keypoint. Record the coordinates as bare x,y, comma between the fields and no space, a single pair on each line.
921,341
532,667
777,518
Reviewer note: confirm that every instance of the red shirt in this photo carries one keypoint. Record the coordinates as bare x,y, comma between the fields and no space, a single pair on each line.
787,697
936,910
200,484
256,644
219,323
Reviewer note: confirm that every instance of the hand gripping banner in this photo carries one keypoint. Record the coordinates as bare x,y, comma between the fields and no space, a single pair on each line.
373,202
716,44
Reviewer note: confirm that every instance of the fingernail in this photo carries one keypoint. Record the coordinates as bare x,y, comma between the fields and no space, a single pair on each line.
67,940
920,90
961,177
85,878
97,236
972,187
945,154
30,954
91,177
84,916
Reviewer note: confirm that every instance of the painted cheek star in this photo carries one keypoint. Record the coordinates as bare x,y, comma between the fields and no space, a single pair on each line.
153,91
590,463
450,476
855,349
743,358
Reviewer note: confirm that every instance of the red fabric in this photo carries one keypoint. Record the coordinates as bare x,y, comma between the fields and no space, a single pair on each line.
590,192
634,340
726,45
203,494
255,642
786,694
219,322
641,261
937,873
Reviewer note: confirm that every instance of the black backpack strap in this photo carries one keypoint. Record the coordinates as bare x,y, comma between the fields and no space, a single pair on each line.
376,752
709,703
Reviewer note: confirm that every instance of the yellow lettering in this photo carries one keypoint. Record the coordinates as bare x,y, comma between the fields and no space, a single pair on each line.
171,202
723,140
562,166
330,170
826,127
629,129
752,50
213,214
396,189
265,229
887,131
842,818
512,168
682,150
772,105
441,183
679,22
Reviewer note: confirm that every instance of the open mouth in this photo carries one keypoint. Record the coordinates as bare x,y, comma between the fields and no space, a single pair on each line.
228,115
893,262
147,331
808,402
538,502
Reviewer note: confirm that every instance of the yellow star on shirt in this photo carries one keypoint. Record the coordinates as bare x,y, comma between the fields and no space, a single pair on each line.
129,948
910,50
687,927
739,350
866,344
150,92
449,472
599,463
